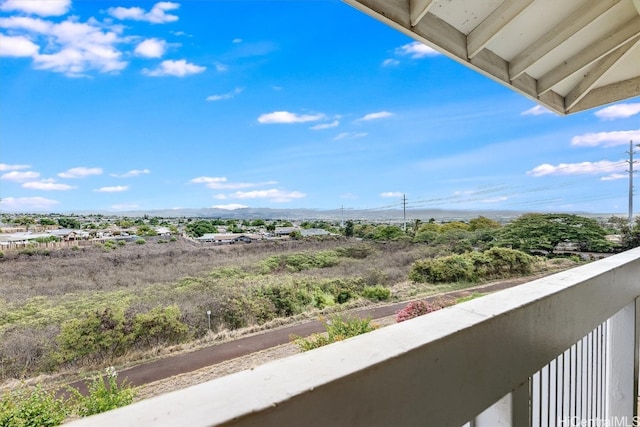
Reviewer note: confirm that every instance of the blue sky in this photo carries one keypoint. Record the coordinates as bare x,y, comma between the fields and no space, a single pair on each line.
125,105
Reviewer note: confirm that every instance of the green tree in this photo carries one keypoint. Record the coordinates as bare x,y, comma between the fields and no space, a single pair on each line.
629,233
453,226
47,221
68,222
389,232
145,230
535,232
25,220
200,228
348,228
483,223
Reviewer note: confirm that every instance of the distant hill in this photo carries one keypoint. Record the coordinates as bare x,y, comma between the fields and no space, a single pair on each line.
390,215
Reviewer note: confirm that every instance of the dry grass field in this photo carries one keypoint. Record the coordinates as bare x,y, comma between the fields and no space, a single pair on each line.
131,303
39,292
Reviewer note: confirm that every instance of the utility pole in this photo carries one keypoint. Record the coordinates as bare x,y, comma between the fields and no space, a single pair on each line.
404,212
631,171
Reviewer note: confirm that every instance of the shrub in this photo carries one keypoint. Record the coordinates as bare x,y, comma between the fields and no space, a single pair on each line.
452,268
98,335
140,242
106,333
104,394
287,299
300,261
509,260
34,407
415,309
471,266
110,244
338,329
356,252
160,326
321,299
376,293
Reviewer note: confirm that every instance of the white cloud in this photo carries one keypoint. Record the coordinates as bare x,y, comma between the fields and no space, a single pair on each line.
321,126
17,46
537,110
26,204
80,172
237,185
494,199
614,177
16,176
416,50
151,48
131,173
349,135
157,15
230,206
391,194
619,111
47,185
375,116
603,166
7,167
221,183
227,95
236,41
37,7
208,179
34,25
606,139
178,68
73,47
274,195
390,62
220,67
114,189
287,117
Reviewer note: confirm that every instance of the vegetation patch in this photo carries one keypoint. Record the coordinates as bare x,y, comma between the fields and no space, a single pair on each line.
38,407
338,329
472,266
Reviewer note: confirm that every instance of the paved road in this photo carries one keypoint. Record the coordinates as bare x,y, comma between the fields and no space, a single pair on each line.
188,362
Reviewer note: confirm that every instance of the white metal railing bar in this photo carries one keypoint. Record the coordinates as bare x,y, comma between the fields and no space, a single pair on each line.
437,370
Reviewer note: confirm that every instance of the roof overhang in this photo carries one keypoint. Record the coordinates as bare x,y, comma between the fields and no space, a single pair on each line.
567,55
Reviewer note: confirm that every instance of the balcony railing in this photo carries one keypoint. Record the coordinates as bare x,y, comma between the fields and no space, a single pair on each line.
558,351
